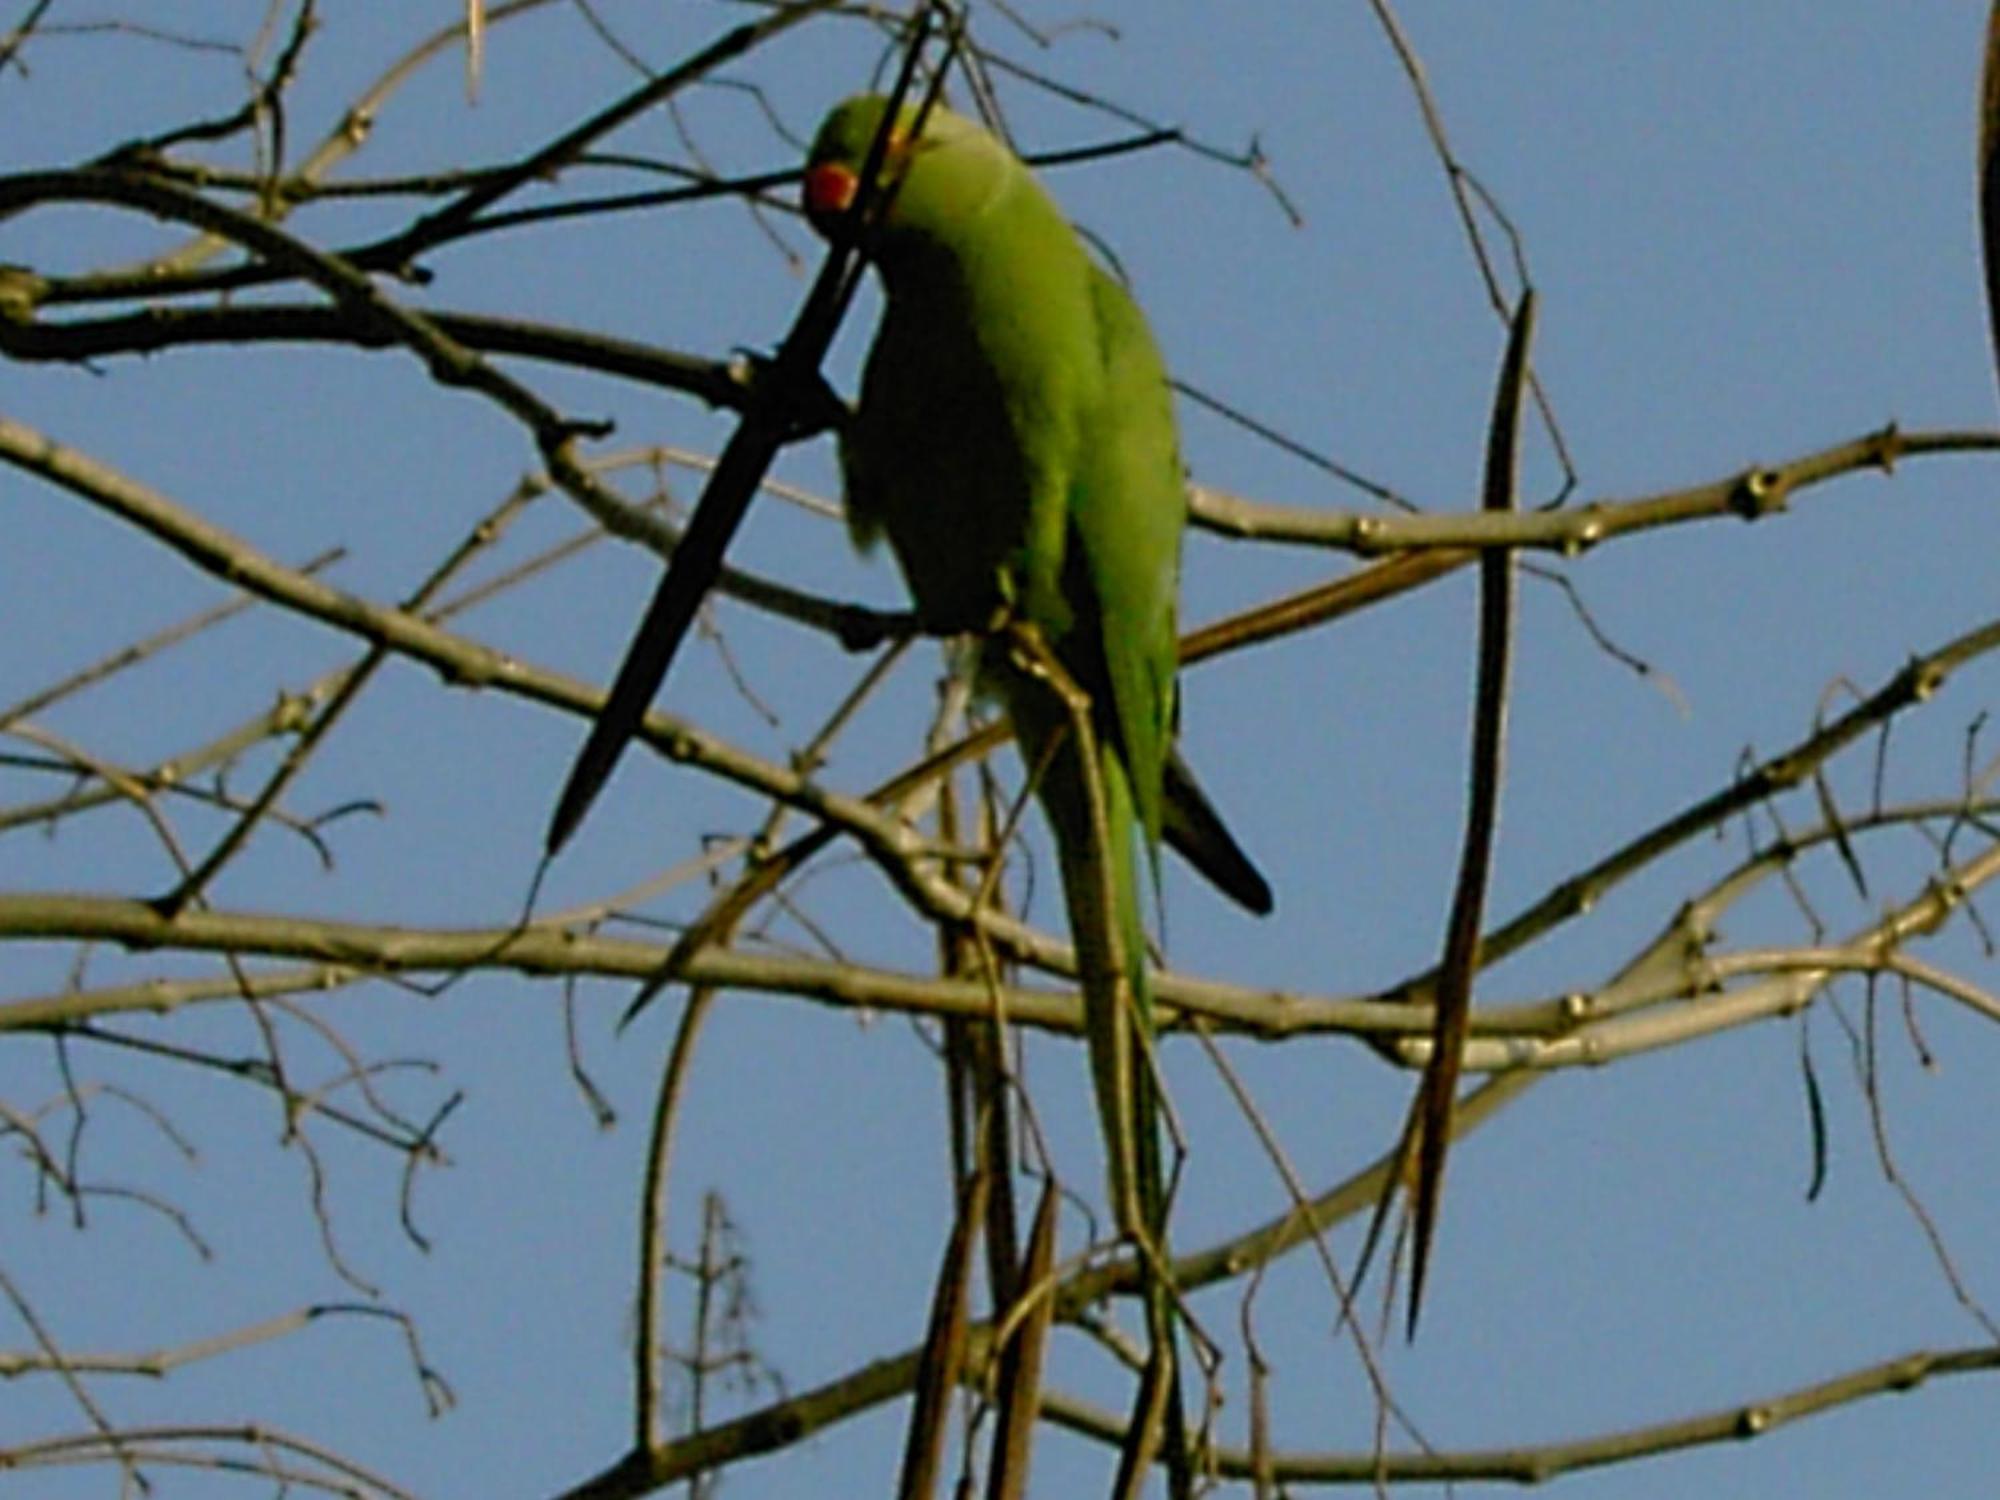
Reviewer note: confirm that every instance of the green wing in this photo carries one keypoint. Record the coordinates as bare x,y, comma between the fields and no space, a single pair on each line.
1126,513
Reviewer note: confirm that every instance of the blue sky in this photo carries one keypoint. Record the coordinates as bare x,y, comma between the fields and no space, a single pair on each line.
1752,235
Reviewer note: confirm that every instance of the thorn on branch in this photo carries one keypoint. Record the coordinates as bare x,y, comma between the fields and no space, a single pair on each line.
1760,493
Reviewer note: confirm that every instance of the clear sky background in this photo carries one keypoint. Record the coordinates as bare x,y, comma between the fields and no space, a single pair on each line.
1751,228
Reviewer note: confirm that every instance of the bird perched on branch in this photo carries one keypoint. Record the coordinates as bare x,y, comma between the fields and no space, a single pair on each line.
1015,443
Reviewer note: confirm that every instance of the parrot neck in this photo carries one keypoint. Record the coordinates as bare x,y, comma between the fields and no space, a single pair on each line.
913,267
944,205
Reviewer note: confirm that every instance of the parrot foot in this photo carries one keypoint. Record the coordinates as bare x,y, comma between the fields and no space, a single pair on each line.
814,405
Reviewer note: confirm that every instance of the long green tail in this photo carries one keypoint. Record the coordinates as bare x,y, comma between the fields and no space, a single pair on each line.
1116,995
1118,1010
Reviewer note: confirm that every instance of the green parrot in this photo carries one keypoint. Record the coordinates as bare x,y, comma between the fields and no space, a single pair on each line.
1015,442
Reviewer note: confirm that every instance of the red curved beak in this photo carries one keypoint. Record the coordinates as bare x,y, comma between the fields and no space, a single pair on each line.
829,189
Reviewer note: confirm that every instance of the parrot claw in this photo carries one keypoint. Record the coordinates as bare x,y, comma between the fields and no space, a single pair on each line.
816,406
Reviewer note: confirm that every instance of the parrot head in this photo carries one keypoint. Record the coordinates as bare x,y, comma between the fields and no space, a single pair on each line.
929,179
